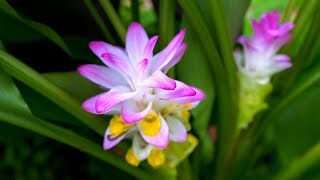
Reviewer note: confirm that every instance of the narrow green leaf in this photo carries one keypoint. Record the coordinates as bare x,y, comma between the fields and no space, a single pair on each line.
135,10
301,165
41,29
166,21
194,70
79,49
15,111
306,52
251,139
226,93
236,11
43,86
114,18
166,25
99,20
305,15
67,81
222,34
290,11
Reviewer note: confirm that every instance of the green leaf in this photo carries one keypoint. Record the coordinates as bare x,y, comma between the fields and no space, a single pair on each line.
79,48
114,18
46,88
301,165
299,122
99,20
194,70
15,111
236,11
44,108
67,81
294,104
15,28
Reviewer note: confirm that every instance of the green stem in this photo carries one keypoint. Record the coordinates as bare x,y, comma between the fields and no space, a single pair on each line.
114,18
46,88
301,165
98,19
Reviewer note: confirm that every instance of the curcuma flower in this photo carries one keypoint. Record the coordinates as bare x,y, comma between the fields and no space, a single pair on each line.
258,63
259,59
148,106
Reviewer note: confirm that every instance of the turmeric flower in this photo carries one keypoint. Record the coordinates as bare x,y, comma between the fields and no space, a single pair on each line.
259,59
137,90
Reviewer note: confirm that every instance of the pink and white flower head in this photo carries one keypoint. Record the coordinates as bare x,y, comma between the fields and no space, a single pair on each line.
259,59
138,89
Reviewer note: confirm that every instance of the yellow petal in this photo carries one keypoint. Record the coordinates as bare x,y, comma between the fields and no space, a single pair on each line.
131,158
156,158
151,124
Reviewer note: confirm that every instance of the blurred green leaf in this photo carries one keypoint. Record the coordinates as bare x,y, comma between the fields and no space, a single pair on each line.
194,70
79,48
44,108
296,128
15,111
296,117
75,84
226,91
236,11
302,164
46,88
15,28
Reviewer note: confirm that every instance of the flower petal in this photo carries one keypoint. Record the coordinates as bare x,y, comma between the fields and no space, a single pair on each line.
101,75
140,148
130,111
110,141
159,80
99,48
115,62
161,140
136,42
190,99
285,28
90,104
181,90
176,58
148,50
163,57
279,63
178,132
115,96
142,67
